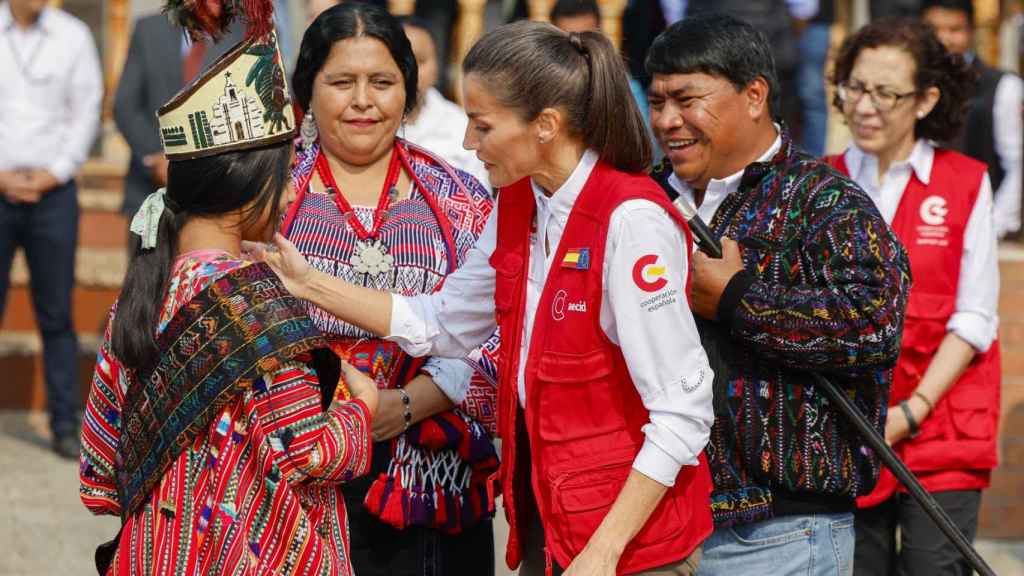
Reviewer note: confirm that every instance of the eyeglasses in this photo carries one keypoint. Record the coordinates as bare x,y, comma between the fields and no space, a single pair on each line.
883,99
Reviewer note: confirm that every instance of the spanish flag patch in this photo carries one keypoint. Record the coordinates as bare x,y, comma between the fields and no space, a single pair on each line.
577,258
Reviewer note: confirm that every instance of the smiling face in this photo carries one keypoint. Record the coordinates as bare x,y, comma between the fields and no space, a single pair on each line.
701,122
358,101
505,142
886,69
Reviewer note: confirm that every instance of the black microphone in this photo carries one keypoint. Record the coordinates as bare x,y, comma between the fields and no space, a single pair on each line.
706,240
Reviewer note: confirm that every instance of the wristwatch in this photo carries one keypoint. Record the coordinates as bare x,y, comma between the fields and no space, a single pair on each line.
914,428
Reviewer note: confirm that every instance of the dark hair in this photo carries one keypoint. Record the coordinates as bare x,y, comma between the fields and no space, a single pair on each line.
252,180
717,45
965,6
934,66
570,8
352,20
419,23
530,66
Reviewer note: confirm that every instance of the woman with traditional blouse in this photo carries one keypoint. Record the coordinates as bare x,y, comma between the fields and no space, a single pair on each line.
206,430
379,212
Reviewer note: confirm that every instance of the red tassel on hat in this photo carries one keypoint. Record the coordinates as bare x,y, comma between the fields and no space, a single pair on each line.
212,18
259,15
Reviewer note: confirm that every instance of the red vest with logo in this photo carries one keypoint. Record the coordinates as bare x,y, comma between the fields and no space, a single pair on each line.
956,447
583,414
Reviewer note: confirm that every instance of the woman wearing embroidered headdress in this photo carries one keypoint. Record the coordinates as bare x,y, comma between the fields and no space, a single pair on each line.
378,211
206,430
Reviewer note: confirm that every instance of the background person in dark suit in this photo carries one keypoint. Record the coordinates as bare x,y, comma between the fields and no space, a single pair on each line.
160,62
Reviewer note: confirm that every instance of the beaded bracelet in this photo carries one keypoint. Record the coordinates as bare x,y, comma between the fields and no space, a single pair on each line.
407,406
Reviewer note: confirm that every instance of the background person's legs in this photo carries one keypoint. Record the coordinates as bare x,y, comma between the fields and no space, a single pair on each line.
12,218
50,243
813,43
875,553
924,549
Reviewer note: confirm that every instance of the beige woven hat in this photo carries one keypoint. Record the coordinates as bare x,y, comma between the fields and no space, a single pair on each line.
241,101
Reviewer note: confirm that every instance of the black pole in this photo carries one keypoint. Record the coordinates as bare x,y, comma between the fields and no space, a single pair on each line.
905,476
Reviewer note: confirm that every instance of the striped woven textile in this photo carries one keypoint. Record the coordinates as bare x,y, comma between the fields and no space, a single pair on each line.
252,495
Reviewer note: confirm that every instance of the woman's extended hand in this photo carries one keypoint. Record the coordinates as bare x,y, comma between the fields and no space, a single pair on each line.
284,259
361,386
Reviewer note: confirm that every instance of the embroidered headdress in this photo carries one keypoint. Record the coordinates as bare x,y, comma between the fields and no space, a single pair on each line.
242,100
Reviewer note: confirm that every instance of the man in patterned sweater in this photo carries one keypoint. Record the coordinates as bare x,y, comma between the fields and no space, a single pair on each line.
811,279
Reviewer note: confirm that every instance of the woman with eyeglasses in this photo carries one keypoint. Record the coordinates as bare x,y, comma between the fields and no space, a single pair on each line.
900,92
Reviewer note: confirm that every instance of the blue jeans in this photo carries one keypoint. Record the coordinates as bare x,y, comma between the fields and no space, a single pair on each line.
818,545
810,79
48,231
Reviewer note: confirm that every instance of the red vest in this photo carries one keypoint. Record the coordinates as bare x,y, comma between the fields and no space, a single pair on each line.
956,448
584,415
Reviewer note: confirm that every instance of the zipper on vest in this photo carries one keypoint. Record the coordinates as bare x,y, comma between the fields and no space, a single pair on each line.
548,570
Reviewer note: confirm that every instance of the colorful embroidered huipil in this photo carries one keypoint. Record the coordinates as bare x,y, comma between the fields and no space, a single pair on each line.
254,493
437,472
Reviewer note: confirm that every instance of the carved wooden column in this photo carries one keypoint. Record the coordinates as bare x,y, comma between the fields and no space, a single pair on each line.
986,36
611,16
540,9
115,48
469,27
401,7
611,19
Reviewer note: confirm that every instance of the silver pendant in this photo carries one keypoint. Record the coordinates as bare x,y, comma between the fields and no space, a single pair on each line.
372,257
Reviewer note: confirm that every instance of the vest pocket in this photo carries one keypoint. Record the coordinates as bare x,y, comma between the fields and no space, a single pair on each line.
508,267
577,396
973,407
584,497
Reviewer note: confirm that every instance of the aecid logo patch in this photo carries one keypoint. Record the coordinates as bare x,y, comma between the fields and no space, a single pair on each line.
648,275
560,305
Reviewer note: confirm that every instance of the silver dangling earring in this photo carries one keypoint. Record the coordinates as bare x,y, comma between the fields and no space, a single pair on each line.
308,131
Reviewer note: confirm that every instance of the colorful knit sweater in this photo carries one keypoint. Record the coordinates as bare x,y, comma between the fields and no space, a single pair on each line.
825,288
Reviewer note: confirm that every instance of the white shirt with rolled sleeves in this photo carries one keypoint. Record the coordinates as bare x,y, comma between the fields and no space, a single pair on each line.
660,344
975,317
50,94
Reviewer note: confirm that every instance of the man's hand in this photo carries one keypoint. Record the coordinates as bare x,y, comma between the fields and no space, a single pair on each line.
157,164
710,276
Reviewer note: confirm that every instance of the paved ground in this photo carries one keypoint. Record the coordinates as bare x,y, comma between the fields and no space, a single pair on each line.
45,530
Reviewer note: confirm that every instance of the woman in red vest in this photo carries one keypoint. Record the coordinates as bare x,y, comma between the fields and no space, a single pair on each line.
605,391
900,91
